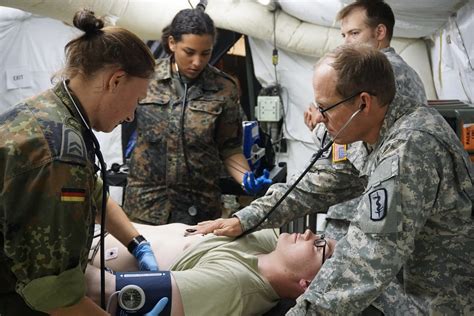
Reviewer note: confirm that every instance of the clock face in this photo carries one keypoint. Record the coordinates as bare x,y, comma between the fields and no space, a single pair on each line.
131,298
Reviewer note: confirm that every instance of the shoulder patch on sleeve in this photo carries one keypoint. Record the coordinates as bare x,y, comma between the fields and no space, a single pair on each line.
378,204
73,148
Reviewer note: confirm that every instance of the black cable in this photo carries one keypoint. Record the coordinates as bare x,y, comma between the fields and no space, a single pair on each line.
275,50
181,127
316,157
103,173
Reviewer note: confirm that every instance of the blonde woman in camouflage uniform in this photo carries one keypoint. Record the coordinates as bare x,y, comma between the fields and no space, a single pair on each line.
50,194
188,125
409,245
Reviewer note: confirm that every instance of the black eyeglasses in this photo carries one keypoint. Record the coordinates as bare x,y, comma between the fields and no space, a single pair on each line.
321,243
334,105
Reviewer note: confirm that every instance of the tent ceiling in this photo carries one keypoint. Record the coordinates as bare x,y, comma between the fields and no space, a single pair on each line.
415,18
303,26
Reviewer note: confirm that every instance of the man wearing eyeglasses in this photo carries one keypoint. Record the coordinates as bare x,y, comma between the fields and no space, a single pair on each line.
372,22
409,247
213,275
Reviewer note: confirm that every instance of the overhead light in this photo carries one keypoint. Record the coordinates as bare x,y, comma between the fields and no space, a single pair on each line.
271,5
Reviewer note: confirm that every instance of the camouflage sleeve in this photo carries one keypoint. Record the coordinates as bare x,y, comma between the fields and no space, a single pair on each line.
229,127
407,80
46,233
97,194
326,184
393,209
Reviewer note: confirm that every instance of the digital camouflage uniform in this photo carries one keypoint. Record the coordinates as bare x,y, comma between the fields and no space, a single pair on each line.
409,249
339,216
407,83
48,201
165,180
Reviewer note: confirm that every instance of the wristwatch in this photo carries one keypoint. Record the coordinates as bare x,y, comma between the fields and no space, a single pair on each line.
135,242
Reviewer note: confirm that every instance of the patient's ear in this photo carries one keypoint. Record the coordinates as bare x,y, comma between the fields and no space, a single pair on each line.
304,284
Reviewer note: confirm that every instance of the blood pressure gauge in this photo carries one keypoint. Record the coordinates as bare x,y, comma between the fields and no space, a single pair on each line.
131,298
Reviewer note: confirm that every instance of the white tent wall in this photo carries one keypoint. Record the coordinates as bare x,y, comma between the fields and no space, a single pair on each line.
415,19
294,73
29,55
33,50
452,55
300,43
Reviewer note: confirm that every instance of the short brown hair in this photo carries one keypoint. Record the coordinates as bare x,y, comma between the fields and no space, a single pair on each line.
101,47
378,12
360,67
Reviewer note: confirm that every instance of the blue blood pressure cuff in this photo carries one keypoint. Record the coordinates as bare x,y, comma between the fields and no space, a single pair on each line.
139,292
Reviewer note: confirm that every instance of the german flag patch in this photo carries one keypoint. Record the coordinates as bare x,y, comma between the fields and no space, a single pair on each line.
73,195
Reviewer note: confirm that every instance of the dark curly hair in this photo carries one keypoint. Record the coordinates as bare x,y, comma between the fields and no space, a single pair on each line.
188,21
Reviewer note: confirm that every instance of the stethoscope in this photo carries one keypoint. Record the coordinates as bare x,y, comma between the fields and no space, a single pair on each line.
316,157
105,189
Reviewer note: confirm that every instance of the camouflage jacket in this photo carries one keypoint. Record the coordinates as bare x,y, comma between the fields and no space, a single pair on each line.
408,84
409,246
48,200
407,81
176,163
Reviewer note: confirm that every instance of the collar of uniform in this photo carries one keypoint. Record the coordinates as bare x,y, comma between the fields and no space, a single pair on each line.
396,109
163,69
388,50
61,93
208,79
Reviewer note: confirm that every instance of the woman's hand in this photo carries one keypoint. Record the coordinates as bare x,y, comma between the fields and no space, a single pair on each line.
229,227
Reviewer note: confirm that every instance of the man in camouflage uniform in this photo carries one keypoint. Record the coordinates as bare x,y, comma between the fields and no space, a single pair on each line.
409,247
176,164
372,23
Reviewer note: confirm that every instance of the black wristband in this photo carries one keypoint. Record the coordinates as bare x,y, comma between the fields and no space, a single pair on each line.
135,242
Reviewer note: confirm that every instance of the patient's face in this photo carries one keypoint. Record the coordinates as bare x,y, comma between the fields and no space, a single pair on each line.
299,254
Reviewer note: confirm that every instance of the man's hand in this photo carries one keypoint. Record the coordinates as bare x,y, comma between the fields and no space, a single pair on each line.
145,257
229,227
254,186
310,117
159,307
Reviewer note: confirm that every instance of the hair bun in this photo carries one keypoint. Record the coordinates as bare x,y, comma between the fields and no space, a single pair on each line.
86,21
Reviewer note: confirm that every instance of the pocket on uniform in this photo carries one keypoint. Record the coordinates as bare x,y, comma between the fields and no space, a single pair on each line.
202,119
379,209
153,119
209,107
